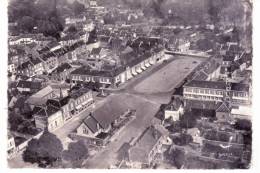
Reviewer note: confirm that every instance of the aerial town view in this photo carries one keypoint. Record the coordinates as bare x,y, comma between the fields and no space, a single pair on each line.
126,84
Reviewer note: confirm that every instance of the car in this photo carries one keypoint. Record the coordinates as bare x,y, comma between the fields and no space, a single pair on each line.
194,62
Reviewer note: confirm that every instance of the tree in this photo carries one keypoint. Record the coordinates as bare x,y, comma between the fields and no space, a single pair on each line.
183,139
176,157
187,120
78,8
72,29
14,120
44,151
26,23
76,153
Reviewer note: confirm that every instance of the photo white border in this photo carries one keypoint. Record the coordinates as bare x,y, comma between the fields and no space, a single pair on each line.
3,103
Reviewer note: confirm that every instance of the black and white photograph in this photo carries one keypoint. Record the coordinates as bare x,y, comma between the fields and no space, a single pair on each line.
129,84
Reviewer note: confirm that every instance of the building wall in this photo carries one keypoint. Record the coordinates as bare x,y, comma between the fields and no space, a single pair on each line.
10,146
175,115
206,94
40,122
55,121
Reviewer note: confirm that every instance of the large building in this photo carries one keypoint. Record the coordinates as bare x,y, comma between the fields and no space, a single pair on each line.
132,64
237,93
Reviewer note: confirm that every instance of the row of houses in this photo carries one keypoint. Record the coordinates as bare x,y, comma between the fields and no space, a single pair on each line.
50,60
217,91
133,64
56,111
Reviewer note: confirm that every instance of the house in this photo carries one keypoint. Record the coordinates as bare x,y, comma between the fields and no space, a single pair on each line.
228,60
11,67
28,86
50,62
54,45
41,96
173,110
11,148
61,73
223,112
48,117
183,45
65,104
93,3
98,53
242,112
24,39
89,127
216,91
32,67
210,70
82,98
102,120
147,146
69,40
74,20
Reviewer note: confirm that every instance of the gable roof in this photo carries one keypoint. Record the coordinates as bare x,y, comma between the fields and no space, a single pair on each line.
29,84
108,113
224,107
96,51
146,142
47,111
63,67
91,123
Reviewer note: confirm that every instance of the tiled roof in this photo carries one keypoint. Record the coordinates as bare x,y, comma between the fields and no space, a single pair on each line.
140,152
206,84
228,58
224,107
209,105
239,87
96,51
47,111
108,113
29,84
58,102
86,71
63,67
200,75
75,93
91,123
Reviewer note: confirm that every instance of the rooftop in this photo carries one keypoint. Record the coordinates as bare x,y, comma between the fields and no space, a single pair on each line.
108,113
91,123
140,152
63,67
47,111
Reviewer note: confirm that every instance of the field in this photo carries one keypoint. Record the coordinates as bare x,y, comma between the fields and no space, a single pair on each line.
167,78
